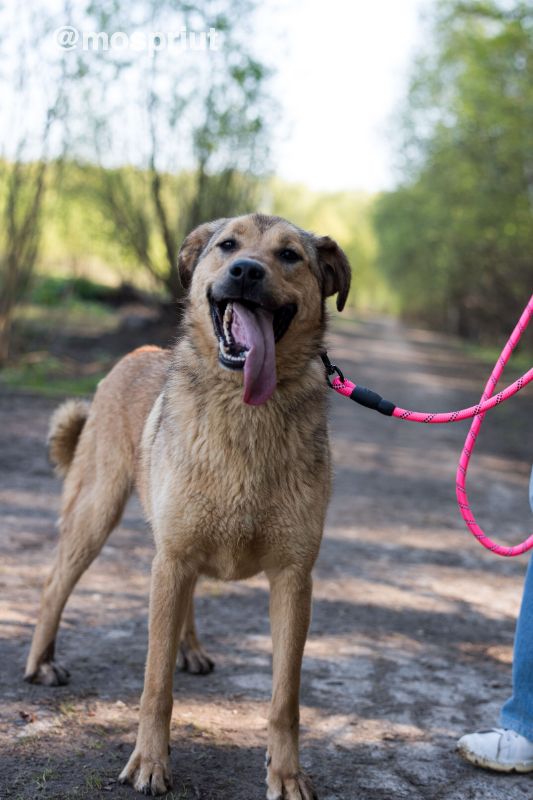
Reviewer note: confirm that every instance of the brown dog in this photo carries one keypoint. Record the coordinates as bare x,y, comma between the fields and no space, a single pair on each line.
225,439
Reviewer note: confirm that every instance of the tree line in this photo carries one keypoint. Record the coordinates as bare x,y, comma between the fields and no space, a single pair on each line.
456,236
200,114
451,245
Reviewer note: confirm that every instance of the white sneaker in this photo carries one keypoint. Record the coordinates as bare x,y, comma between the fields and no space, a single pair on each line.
499,749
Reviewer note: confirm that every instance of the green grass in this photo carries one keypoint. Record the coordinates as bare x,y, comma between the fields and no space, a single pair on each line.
183,794
42,779
93,781
67,708
66,306
96,745
39,372
71,317
54,290
44,374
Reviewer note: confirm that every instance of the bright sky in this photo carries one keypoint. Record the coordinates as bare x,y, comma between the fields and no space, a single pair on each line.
341,73
342,70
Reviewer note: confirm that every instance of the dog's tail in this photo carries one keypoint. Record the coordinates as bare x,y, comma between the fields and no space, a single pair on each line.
66,425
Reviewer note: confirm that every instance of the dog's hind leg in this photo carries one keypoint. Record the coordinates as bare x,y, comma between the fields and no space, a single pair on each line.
94,496
191,655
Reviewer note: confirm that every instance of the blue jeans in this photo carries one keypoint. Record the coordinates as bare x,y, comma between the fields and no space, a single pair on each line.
517,712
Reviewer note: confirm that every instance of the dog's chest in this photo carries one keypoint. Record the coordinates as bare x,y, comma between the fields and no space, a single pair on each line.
244,517
236,498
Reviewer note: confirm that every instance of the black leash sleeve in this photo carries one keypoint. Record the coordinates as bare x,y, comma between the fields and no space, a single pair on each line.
369,399
362,395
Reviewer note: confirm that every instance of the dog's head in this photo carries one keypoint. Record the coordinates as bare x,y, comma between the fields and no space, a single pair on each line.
256,291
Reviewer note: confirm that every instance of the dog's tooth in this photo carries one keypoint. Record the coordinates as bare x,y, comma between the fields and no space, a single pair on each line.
228,316
228,312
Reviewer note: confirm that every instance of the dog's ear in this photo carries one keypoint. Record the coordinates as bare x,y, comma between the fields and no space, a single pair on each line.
193,247
334,268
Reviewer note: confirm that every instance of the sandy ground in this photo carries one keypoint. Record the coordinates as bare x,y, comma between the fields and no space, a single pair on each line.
411,639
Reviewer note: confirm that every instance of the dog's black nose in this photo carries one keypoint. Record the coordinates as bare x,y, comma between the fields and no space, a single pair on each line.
243,279
247,271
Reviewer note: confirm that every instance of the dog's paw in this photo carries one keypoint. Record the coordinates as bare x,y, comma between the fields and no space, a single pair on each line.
146,774
49,674
296,787
194,659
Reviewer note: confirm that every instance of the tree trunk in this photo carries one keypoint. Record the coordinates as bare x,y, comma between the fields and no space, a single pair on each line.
6,318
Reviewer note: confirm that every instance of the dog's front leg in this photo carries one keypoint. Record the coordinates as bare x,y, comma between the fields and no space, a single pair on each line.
290,612
148,768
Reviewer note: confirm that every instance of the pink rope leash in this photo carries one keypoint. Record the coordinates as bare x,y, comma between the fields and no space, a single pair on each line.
488,400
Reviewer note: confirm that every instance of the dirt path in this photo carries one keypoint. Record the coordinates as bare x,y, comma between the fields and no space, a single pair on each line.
411,639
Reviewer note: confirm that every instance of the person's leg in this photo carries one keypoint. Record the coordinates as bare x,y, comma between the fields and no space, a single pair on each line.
510,748
517,712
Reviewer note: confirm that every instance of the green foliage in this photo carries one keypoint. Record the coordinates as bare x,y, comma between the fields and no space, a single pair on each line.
69,317
81,246
201,116
346,217
21,201
50,290
78,235
50,377
81,237
456,237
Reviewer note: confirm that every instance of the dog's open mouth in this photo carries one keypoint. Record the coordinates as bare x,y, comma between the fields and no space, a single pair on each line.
247,334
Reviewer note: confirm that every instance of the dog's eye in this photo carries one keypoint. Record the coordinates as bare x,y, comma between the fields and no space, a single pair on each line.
228,244
290,256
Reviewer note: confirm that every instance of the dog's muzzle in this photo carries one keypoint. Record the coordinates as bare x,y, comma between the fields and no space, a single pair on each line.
248,322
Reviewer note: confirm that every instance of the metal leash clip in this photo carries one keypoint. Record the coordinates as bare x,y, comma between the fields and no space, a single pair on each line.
331,369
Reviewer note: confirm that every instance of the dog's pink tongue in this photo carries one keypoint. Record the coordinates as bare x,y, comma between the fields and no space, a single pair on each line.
254,330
